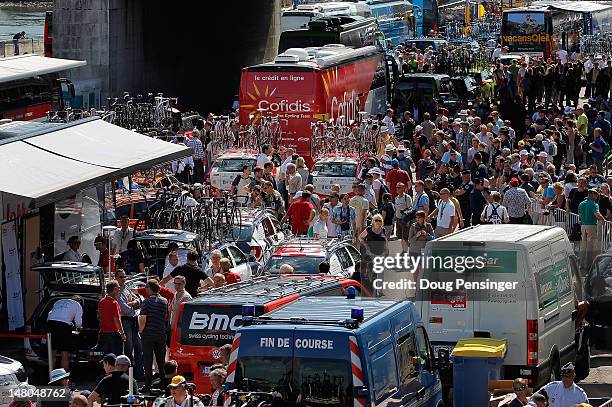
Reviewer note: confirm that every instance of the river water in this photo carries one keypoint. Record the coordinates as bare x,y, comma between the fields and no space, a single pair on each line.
16,19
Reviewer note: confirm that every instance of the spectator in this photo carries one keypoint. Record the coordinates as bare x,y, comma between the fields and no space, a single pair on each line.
72,254
170,370
128,306
419,234
132,259
301,213
588,210
565,393
173,261
217,378
192,272
180,296
446,219
16,38
395,176
226,266
152,324
240,184
103,261
293,180
65,314
373,238
114,386
334,201
319,228
179,395
516,202
494,213
387,212
519,385
286,269
301,168
347,220
112,336
577,195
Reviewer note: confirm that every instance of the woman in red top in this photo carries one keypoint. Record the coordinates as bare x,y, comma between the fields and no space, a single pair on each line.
230,277
111,331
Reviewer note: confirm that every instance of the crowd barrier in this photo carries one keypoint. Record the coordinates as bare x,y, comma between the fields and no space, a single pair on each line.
567,221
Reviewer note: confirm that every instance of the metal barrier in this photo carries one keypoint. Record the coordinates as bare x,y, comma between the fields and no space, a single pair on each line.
26,46
567,221
30,335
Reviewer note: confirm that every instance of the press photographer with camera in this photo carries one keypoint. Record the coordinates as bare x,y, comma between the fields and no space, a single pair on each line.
181,394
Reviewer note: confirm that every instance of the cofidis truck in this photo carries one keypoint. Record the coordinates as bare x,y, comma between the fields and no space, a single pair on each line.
336,351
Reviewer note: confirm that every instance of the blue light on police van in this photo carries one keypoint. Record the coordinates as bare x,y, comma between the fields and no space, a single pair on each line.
351,293
248,310
357,314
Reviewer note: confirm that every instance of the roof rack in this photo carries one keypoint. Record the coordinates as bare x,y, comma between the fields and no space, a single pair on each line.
263,320
301,241
291,284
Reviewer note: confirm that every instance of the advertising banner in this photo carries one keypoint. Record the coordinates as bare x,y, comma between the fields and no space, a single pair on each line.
12,275
524,32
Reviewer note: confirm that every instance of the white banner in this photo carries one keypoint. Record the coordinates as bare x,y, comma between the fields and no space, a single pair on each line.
14,294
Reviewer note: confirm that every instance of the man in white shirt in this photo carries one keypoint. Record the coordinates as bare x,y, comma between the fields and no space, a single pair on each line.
173,262
265,156
403,205
562,54
60,320
331,226
73,250
445,214
565,393
122,236
496,53
388,121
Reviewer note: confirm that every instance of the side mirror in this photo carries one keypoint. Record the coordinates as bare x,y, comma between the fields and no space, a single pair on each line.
360,391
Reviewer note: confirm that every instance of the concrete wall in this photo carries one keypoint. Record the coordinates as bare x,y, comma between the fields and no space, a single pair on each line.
191,50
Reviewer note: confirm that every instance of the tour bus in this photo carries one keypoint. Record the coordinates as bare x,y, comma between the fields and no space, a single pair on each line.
206,323
337,352
304,86
520,283
300,15
353,31
30,85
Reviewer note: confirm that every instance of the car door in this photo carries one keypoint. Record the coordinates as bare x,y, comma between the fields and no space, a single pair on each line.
427,373
240,262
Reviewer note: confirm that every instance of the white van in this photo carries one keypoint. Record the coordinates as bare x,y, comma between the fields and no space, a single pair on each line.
536,317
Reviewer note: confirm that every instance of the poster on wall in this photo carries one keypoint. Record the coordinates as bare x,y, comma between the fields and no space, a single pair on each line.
12,275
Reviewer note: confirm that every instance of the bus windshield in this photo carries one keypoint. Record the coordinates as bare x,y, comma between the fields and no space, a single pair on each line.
525,31
306,38
301,381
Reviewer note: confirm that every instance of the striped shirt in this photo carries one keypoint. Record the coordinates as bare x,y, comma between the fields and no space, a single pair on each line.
198,148
156,309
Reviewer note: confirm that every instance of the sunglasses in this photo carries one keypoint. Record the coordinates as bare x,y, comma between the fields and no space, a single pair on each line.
121,277
378,221
521,388
178,282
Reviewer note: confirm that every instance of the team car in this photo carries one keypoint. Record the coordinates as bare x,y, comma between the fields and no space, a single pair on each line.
63,280
155,244
228,165
257,232
341,170
305,255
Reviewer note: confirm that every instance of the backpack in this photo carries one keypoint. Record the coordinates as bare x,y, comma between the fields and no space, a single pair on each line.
494,218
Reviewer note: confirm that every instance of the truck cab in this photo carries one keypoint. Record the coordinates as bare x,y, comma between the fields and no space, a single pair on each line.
336,351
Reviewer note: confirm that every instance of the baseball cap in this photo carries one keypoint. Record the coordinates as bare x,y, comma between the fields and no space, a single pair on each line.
401,147
514,182
524,152
418,128
122,360
377,170
395,163
384,129
177,380
389,147
543,154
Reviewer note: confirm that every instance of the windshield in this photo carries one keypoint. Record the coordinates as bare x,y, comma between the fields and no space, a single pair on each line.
300,264
335,170
306,38
72,281
300,381
599,282
234,164
240,233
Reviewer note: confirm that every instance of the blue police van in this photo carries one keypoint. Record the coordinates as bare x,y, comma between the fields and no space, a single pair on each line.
336,351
